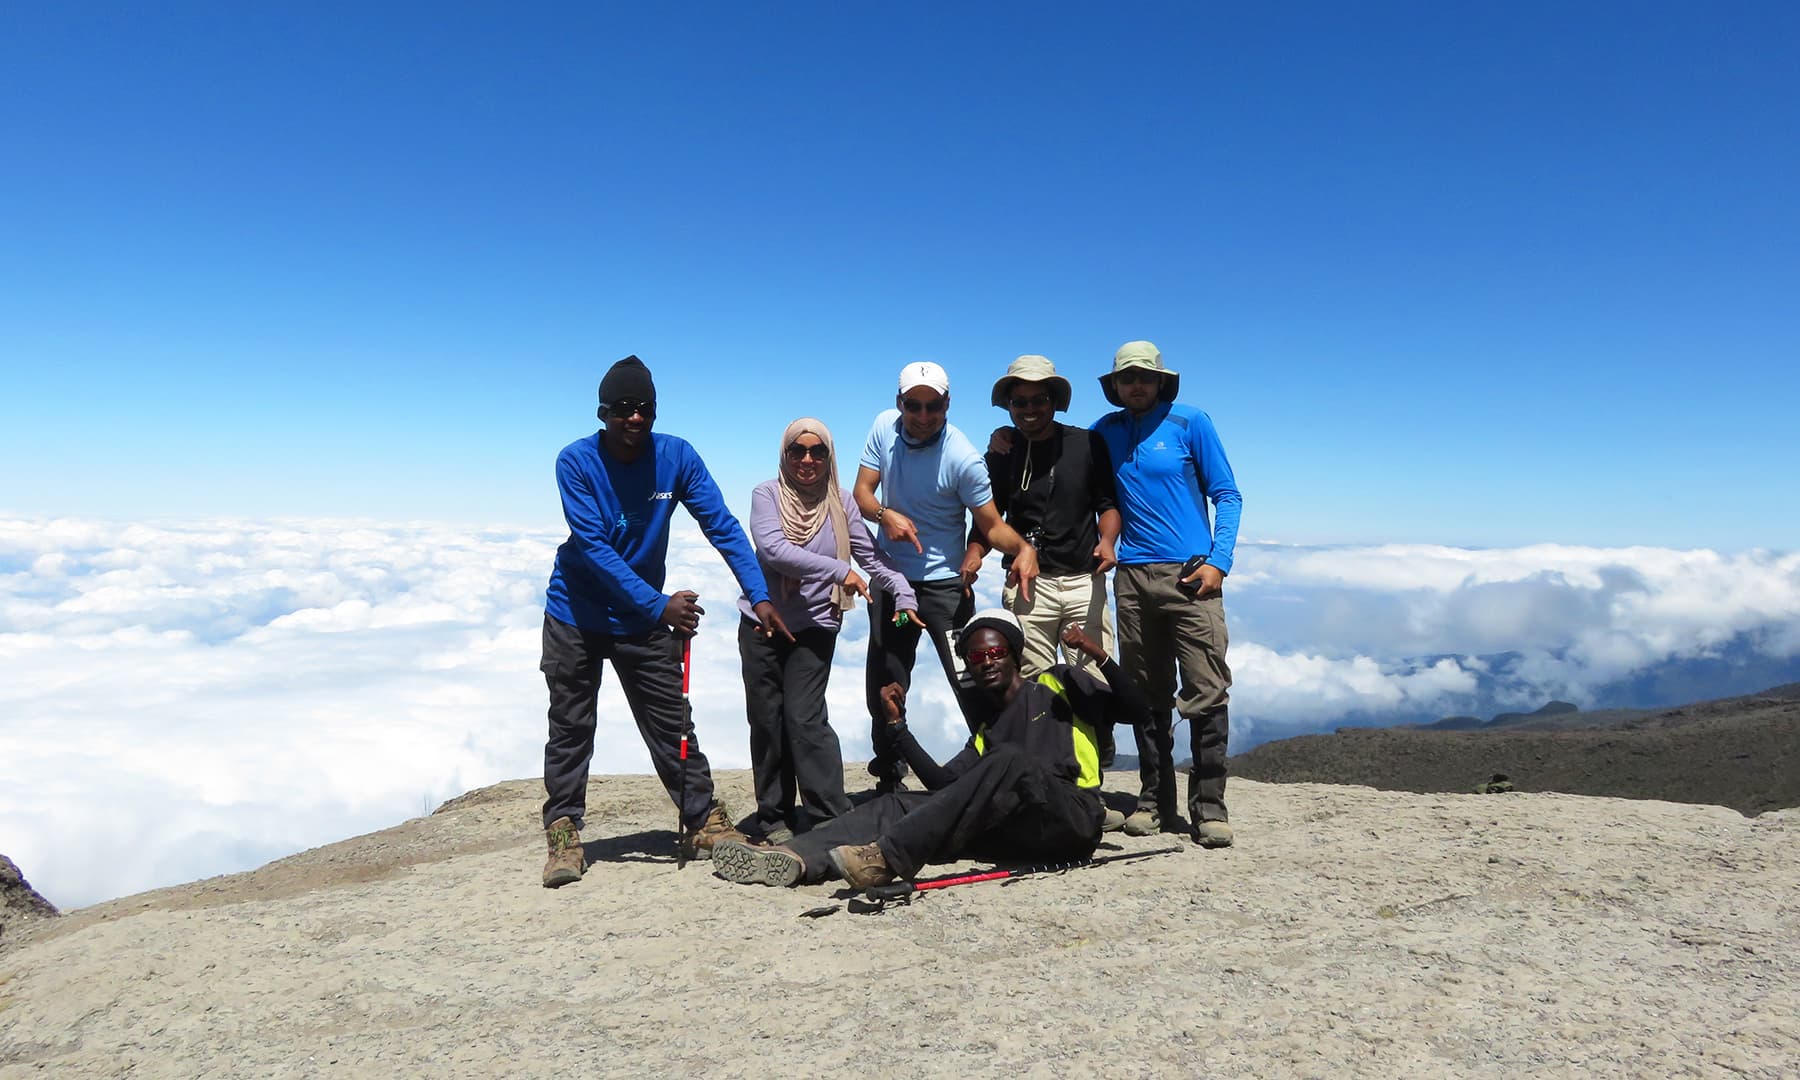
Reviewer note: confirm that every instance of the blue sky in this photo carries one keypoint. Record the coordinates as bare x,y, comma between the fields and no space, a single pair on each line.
1477,276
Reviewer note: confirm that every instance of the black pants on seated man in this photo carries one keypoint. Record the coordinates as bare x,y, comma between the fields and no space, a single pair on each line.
1024,788
1007,807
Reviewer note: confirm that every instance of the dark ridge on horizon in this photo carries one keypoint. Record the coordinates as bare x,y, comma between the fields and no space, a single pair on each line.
1740,752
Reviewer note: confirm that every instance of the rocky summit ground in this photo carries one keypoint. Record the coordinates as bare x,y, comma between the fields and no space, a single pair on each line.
1351,932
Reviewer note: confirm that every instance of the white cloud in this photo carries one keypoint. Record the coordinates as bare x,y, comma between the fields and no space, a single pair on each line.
1338,627
189,698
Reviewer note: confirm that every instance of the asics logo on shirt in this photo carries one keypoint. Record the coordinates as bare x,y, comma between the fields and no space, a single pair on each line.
655,495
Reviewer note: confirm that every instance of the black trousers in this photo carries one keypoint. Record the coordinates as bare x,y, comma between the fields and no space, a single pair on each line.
792,746
1008,808
945,607
649,670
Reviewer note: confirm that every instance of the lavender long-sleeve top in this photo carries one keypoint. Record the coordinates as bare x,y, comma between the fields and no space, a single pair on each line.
800,576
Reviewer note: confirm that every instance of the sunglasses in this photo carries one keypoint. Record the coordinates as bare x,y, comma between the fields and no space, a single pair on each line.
819,453
625,407
988,656
1036,401
935,405
1131,377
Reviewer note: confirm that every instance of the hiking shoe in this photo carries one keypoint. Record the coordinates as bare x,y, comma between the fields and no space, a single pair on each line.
1113,821
775,837
1211,834
716,829
862,866
1142,823
736,861
566,860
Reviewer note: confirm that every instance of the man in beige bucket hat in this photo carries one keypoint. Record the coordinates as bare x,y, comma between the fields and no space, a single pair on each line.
1168,464
1053,483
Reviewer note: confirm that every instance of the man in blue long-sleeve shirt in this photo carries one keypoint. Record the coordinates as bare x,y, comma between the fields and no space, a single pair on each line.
605,602
1168,464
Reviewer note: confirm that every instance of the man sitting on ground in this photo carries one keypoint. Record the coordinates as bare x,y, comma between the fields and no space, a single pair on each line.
1025,788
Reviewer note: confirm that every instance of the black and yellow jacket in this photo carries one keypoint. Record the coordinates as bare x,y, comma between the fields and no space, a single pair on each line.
1053,718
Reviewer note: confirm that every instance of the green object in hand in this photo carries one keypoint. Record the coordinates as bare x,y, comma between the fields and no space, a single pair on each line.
902,619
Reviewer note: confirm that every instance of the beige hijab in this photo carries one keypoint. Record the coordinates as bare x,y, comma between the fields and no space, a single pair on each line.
804,511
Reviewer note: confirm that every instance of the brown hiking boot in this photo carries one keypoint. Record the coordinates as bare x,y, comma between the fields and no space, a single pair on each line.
1213,834
566,860
1142,822
863,866
717,828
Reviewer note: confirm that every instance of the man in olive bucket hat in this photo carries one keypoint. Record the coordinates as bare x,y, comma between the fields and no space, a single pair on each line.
1053,483
1168,464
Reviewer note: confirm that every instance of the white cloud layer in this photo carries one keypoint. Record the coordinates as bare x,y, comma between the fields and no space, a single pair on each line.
191,698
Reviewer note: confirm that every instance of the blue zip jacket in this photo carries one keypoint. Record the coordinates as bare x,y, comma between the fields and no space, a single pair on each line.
1168,464
609,572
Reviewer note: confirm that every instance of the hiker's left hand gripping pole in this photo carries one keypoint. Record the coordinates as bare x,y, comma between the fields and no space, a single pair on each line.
687,730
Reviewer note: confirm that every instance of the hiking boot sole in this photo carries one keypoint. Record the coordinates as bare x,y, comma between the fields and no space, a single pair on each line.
736,861
556,879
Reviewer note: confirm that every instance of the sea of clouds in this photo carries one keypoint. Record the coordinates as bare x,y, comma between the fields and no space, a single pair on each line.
181,699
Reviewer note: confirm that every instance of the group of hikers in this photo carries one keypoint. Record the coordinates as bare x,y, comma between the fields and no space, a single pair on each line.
1146,493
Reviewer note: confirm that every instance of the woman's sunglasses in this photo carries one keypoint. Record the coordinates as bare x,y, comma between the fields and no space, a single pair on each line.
819,453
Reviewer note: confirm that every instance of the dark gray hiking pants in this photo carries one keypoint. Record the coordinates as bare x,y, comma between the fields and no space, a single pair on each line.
649,670
792,746
1163,633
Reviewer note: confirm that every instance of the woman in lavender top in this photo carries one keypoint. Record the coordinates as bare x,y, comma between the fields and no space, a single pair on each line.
806,530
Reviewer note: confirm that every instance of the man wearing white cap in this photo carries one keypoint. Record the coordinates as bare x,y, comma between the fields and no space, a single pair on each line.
1168,464
919,479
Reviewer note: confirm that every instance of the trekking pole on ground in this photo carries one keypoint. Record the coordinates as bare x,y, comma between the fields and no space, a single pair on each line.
687,728
900,890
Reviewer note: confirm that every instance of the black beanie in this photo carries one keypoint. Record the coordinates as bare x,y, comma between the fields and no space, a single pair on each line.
630,380
997,619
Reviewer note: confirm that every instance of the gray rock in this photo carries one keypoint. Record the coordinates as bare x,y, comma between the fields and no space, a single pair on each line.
18,900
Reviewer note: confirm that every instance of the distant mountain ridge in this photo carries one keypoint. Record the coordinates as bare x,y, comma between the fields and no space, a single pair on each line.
1741,752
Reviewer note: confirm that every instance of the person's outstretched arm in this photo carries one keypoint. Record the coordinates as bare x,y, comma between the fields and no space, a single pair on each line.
924,766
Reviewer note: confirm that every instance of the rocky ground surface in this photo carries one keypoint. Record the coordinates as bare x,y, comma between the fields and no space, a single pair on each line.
1351,932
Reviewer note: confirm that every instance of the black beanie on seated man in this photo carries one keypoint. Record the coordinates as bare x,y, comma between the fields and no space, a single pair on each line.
999,620
627,380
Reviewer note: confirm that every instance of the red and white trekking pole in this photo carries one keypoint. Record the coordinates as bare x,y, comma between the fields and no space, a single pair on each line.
687,727
901,890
